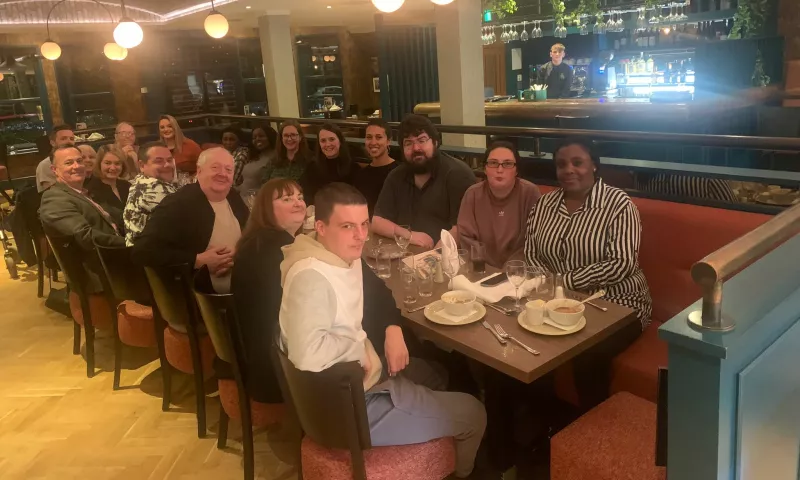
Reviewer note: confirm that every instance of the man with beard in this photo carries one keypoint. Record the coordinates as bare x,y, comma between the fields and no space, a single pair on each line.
424,192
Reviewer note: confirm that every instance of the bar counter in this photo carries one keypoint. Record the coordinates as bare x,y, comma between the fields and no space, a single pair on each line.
615,113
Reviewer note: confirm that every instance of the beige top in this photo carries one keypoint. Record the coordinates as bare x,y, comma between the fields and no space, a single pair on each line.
225,234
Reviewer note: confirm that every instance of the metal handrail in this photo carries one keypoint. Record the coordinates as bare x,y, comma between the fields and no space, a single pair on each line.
730,141
711,272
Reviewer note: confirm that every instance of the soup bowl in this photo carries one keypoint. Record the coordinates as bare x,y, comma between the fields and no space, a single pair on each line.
565,311
458,302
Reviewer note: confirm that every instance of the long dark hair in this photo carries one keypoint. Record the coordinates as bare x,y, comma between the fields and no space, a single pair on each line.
344,163
272,136
263,215
281,159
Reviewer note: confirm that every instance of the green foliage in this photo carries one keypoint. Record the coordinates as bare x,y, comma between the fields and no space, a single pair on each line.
648,4
500,8
558,11
750,19
589,8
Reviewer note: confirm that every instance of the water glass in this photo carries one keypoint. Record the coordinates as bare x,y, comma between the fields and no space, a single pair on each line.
425,279
478,256
533,273
383,264
546,288
517,274
407,276
250,198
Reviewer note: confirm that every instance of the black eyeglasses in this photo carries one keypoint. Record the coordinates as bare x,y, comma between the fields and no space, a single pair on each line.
496,164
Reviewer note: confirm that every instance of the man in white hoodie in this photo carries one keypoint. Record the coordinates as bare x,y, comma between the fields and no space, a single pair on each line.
321,325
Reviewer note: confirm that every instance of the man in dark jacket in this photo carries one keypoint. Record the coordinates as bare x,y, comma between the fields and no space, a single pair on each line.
556,74
66,210
199,224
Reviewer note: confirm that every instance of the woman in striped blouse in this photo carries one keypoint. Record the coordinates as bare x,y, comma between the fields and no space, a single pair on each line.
589,232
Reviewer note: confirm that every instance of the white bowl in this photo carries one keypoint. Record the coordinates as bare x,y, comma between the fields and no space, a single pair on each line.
465,302
562,318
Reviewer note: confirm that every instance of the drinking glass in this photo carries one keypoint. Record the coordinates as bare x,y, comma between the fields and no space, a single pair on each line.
654,16
516,273
402,236
584,27
532,273
524,37
250,198
407,276
514,34
424,275
546,288
451,269
383,264
539,29
599,26
478,256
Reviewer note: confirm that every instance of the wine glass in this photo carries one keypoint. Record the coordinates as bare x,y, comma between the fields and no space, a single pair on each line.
493,35
584,30
250,198
517,274
654,17
504,35
402,235
620,22
599,25
524,37
515,34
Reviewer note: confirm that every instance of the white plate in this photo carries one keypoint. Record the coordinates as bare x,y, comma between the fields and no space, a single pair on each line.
545,329
432,314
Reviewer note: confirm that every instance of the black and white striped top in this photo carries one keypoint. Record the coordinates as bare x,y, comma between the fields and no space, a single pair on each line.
595,247
686,186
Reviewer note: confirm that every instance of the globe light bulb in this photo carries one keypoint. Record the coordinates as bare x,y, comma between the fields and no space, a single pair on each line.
50,50
128,33
216,25
388,6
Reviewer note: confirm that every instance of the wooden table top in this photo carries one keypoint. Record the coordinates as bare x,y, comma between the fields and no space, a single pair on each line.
476,342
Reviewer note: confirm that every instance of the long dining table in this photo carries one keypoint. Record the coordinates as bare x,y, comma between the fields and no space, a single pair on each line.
479,344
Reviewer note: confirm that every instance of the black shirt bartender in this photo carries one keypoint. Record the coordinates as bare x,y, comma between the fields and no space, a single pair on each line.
556,74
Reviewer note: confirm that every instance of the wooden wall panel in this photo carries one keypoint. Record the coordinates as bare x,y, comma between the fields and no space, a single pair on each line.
494,67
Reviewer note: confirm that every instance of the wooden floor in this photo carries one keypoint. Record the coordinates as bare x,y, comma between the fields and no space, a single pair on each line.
57,424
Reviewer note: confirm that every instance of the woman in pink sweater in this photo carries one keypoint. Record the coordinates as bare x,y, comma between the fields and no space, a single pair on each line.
494,212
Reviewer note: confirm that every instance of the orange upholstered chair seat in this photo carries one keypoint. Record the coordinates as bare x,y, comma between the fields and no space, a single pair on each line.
98,306
262,414
614,441
432,460
135,324
179,353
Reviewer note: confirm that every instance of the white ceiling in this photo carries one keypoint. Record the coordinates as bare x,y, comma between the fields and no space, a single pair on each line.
356,15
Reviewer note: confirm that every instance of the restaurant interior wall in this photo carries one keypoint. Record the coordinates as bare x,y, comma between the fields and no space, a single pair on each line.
31,40
494,68
409,70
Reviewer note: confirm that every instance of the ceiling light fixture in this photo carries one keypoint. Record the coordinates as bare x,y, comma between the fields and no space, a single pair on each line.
127,34
52,51
388,6
112,51
442,2
328,6
216,25
248,7
1,77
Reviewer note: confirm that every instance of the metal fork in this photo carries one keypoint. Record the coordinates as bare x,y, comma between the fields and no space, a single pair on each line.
496,335
505,335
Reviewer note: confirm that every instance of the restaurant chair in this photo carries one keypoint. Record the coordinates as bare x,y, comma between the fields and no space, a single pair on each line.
219,315
623,437
187,348
332,413
88,310
28,202
129,303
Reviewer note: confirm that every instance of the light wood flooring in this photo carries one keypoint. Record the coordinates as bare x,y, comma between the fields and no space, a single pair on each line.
55,423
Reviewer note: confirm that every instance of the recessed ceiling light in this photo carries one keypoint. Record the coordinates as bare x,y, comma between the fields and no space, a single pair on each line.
329,6
248,7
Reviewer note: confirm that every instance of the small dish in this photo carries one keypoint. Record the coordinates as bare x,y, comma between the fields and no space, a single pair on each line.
547,327
565,318
436,314
458,302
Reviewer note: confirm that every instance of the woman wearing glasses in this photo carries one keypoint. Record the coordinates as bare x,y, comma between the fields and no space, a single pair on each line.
493,212
291,153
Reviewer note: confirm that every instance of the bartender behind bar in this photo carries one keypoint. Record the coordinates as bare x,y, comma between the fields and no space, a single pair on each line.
556,74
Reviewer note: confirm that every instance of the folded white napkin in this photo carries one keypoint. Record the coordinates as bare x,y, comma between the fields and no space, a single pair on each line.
496,293
449,252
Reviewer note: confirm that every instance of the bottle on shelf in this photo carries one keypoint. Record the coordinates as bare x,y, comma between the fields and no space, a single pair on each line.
682,73
650,65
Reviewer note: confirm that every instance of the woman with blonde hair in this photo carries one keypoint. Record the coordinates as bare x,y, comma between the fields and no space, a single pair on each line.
184,150
107,187
277,216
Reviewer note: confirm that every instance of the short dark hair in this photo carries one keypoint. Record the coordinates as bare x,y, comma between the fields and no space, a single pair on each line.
502,144
379,122
413,125
586,145
59,128
234,130
144,150
336,193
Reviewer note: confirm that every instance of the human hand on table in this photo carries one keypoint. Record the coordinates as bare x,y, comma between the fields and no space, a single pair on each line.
421,239
395,349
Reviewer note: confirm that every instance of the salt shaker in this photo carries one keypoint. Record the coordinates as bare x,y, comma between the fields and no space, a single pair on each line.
559,282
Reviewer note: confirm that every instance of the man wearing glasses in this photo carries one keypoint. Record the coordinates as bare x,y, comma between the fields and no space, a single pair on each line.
556,74
125,140
424,192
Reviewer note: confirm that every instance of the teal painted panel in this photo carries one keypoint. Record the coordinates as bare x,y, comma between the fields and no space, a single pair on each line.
768,420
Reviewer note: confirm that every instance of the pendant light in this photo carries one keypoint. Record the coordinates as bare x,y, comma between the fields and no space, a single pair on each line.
2,77
112,51
216,25
388,6
442,2
128,33
50,49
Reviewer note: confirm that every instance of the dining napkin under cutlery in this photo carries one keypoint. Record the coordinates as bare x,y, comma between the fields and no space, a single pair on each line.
496,293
